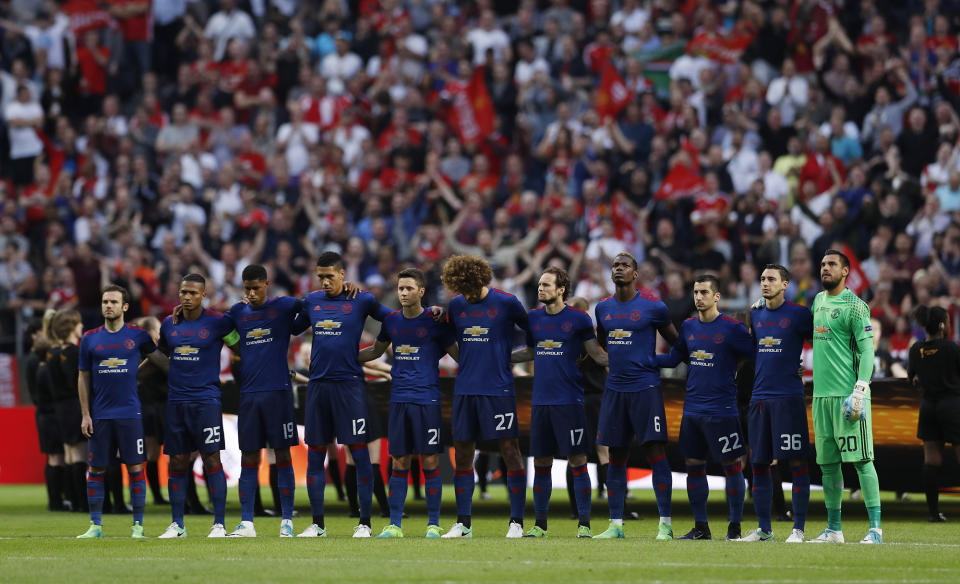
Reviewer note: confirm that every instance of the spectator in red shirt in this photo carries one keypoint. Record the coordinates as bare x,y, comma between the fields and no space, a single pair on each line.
136,26
822,167
93,60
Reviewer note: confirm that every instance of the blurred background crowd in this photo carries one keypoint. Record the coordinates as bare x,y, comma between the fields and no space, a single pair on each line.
142,139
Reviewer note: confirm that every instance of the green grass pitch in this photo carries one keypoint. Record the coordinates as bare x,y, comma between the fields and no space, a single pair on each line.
39,546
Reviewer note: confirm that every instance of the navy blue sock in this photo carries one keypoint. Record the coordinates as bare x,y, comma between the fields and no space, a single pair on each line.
177,492
463,486
316,478
138,494
398,494
801,494
616,488
517,484
95,494
735,490
762,495
434,490
542,488
582,492
697,491
662,484
248,485
217,486
287,486
361,458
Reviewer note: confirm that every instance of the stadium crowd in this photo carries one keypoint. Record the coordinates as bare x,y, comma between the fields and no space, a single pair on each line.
143,140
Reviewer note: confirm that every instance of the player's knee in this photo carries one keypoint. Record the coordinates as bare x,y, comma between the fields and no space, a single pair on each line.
430,461
619,455
401,462
577,460
180,462
282,455
97,469
250,458
134,469
211,461
543,461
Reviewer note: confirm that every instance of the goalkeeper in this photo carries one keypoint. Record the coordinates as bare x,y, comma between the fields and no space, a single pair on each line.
842,366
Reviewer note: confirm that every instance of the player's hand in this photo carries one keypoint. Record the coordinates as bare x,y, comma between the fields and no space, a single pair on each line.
438,313
852,408
86,426
351,290
758,304
651,361
177,313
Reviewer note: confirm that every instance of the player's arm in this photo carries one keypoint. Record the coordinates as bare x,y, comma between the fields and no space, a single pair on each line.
158,359
232,341
372,352
453,349
862,334
297,377
668,332
300,318
84,383
522,355
678,353
596,352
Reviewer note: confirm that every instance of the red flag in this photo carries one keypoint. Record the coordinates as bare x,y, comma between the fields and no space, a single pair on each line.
680,182
472,114
718,48
857,280
613,94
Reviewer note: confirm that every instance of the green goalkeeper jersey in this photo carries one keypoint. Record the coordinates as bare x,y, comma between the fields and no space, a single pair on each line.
842,343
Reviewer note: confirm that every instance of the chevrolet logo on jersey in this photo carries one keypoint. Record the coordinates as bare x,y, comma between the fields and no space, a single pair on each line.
477,334
407,350
186,350
620,334
769,342
549,344
701,355
113,362
822,330
258,333
327,324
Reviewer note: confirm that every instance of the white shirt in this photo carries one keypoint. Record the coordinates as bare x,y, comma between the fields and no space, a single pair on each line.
224,26
482,40
334,66
297,144
525,71
775,186
789,97
24,142
604,247
50,39
743,169
632,22
350,140
809,229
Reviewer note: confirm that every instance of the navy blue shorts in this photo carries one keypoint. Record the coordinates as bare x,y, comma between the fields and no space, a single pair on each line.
484,417
335,409
193,426
414,428
777,429
266,419
717,438
624,415
109,436
559,430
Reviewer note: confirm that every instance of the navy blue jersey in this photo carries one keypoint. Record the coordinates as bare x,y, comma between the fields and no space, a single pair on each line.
712,350
778,336
194,349
418,345
485,332
337,324
264,342
112,360
557,340
629,332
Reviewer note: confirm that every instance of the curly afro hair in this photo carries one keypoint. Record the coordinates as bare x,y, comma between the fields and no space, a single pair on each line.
466,274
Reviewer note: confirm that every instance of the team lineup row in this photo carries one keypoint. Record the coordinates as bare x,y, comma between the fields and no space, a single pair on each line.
477,330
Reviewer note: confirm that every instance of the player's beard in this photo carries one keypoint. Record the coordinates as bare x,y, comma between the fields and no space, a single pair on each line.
829,286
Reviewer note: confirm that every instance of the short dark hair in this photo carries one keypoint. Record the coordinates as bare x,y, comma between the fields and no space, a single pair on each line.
330,259
629,255
254,272
563,280
931,318
116,288
194,277
415,275
784,272
710,279
844,260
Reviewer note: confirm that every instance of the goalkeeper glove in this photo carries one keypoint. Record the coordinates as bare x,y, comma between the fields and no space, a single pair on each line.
852,408
761,303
